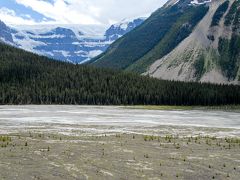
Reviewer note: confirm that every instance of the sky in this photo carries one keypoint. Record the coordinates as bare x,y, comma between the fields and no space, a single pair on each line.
87,12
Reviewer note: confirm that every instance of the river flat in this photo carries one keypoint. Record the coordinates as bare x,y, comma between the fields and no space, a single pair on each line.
114,142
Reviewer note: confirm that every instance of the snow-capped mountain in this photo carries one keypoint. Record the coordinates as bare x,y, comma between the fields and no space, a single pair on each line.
5,33
61,43
123,27
73,43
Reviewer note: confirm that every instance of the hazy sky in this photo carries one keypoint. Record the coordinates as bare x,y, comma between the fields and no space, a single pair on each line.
74,11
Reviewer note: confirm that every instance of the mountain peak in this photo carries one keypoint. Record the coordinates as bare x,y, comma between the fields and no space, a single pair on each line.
119,29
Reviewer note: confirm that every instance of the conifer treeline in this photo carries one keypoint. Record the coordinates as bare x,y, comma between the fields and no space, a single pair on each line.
26,78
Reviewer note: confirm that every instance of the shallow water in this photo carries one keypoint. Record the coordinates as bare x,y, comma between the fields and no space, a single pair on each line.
68,118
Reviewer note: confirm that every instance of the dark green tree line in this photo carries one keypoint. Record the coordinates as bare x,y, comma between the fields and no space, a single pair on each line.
26,78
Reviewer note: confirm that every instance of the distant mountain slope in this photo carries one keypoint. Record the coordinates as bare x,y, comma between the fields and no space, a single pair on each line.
72,43
187,40
5,33
26,78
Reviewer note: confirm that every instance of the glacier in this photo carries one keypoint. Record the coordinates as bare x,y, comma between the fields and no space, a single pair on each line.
70,43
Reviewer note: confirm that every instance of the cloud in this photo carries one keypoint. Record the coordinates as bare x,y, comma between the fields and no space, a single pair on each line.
89,11
61,11
9,16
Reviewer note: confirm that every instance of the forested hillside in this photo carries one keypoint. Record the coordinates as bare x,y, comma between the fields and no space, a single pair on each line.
27,78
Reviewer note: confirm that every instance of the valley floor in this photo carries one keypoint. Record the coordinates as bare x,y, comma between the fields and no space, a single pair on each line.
47,146
37,155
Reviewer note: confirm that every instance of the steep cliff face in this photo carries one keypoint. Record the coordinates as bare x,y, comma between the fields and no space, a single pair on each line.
211,53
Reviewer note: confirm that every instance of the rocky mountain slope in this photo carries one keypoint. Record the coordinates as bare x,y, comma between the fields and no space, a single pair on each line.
211,53
187,40
72,43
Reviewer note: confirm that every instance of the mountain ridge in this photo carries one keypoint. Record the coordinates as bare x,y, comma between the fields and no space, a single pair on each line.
144,38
